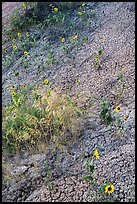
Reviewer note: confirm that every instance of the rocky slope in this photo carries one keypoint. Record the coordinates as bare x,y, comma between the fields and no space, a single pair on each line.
114,28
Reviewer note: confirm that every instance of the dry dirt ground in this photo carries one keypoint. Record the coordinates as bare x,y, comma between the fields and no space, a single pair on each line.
115,32
8,8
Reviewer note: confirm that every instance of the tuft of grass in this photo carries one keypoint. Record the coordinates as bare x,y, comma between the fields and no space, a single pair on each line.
48,119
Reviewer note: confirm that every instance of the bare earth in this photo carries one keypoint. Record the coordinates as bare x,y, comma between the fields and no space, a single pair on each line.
115,31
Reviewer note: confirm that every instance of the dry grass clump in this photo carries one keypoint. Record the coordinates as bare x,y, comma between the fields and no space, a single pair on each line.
50,120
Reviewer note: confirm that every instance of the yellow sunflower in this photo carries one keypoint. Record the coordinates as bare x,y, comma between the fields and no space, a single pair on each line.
26,53
63,40
125,119
46,81
125,69
78,81
19,34
118,108
79,13
97,59
75,37
14,47
27,34
56,9
109,189
24,86
96,154
13,87
13,94
24,6
6,51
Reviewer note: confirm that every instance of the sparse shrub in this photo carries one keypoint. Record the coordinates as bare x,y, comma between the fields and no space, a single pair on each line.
102,191
105,113
47,117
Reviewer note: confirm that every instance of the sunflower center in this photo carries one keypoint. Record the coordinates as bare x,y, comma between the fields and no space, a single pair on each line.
109,189
118,108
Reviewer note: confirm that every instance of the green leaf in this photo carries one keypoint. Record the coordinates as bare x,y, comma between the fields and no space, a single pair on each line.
101,189
50,187
85,163
100,149
91,168
100,51
109,119
88,178
121,76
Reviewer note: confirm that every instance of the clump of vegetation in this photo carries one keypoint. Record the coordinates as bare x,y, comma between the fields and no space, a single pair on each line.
105,113
113,118
97,61
29,24
102,192
44,120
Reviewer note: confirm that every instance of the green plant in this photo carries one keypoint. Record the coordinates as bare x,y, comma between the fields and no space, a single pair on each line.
101,191
97,61
47,118
105,113
48,178
119,88
51,59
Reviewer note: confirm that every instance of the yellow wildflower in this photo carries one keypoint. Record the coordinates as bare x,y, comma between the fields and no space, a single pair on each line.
97,59
125,69
56,9
83,5
63,40
24,86
19,34
109,189
125,119
13,87
118,108
24,6
13,94
27,34
15,17
92,11
26,53
75,37
14,47
46,81
79,13
78,80
6,51
96,154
